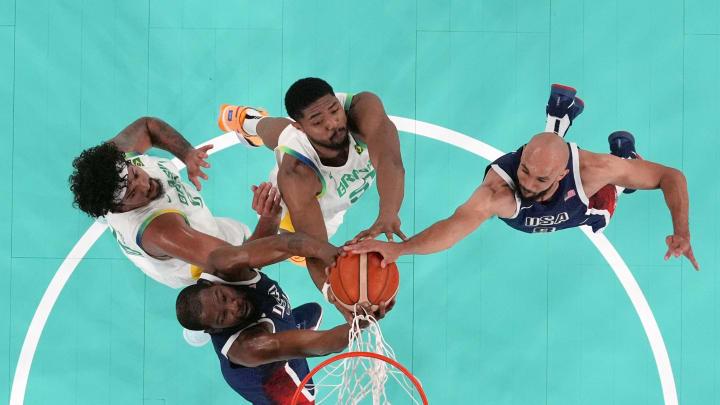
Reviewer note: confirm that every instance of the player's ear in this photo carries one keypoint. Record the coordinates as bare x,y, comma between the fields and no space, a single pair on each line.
297,125
563,174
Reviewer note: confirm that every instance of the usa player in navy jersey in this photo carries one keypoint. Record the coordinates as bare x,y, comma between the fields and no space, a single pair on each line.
260,340
549,184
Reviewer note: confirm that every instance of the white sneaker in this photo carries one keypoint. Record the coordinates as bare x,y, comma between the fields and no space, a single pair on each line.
196,338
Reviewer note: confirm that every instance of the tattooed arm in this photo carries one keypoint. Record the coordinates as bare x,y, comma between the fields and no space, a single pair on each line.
147,132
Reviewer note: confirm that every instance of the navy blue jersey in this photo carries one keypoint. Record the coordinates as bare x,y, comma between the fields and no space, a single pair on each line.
273,383
569,207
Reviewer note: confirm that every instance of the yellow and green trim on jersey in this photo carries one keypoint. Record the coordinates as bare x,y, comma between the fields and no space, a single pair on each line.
348,101
297,155
138,238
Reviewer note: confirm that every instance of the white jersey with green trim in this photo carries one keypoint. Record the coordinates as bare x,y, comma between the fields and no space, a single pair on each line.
178,197
342,186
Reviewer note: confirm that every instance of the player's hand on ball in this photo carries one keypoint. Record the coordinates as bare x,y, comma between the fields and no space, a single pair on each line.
384,308
194,160
385,224
329,254
680,246
388,250
266,200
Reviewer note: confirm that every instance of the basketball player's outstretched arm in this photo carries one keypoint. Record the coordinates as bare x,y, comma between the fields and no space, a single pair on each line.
299,187
367,117
168,235
147,132
258,345
491,198
231,263
600,169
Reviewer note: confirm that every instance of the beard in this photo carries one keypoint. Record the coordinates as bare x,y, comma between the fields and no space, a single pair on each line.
253,298
527,195
159,190
338,140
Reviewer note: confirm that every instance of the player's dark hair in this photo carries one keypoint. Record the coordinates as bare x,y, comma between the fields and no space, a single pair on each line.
303,93
188,307
96,179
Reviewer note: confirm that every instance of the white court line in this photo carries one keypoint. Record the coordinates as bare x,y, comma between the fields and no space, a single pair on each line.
667,381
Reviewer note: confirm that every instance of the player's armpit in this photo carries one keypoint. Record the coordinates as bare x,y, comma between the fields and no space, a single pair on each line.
168,235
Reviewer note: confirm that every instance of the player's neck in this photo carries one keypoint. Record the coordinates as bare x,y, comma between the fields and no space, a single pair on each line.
332,157
550,194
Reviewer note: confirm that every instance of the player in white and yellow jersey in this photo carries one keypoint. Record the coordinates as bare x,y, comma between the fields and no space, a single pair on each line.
161,223
328,155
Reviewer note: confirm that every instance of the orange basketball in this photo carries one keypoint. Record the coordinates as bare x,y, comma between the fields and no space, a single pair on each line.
359,279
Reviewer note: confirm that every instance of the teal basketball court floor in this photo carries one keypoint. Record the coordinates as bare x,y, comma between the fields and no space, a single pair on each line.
501,318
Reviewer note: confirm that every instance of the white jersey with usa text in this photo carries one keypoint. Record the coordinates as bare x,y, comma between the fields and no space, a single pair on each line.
178,197
342,186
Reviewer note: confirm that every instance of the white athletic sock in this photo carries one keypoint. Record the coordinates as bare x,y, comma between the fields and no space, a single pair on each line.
252,117
557,125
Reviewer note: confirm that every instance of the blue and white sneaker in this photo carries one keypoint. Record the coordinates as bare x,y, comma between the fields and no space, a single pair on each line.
562,108
308,316
622,145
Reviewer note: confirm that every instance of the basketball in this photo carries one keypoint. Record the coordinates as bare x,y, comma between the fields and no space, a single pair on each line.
359,279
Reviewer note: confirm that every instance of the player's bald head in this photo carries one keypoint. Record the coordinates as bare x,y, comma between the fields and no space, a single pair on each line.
547,153
542,165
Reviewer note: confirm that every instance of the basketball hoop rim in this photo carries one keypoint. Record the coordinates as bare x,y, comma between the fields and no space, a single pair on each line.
341,356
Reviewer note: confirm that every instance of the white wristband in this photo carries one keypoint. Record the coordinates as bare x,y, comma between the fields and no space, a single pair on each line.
324,290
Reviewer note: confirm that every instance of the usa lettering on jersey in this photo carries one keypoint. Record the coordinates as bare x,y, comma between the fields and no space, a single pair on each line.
282,307
547,220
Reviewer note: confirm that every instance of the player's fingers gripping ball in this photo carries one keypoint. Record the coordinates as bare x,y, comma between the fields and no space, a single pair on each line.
359,279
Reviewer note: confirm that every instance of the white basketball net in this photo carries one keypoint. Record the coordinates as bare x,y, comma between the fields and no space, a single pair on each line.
362,377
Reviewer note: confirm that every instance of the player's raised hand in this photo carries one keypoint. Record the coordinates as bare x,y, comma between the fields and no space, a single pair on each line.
266,200
680,246
384,308
390,251
194,160
385,224
329,254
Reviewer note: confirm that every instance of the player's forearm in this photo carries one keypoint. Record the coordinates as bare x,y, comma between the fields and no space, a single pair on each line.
279,247
674,187
316,268
266,226
440,236
165,137
309,343
264,251
391,186
290,344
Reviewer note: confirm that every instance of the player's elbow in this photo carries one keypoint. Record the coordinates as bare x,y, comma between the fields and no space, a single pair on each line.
673,176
